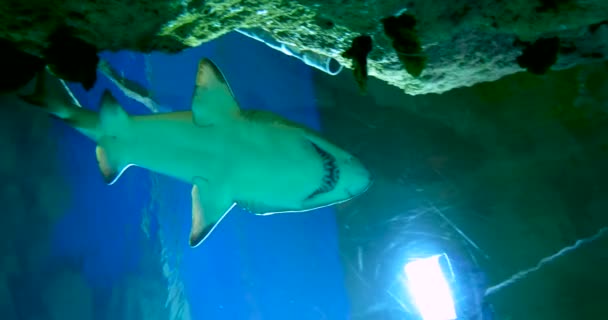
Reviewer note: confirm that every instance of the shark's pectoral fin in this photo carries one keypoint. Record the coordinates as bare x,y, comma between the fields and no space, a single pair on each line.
209,206
213,101
111,167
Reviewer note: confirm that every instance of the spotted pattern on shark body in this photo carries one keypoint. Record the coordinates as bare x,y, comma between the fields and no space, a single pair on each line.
332,172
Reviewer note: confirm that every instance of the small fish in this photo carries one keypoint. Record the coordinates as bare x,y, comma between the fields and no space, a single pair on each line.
256,159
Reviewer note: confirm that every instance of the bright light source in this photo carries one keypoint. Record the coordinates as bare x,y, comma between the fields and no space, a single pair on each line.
429,288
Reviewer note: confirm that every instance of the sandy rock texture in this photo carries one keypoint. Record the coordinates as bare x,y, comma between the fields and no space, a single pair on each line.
427,47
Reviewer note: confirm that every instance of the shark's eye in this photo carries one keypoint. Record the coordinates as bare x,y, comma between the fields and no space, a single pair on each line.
331,172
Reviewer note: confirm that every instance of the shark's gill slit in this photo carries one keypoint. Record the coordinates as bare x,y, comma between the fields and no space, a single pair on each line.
332,172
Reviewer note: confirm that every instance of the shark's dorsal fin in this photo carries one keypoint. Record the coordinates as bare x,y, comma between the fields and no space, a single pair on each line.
209,206
213,101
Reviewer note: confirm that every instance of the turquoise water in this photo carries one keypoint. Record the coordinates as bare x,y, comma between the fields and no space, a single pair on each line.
506,179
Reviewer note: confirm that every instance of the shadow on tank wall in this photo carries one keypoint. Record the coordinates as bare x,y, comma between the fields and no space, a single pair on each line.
35,283
519,166
33,195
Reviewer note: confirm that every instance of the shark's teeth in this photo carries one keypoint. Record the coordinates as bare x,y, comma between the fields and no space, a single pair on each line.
332,172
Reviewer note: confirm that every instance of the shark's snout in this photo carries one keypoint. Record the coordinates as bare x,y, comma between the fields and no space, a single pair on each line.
370,180
356,178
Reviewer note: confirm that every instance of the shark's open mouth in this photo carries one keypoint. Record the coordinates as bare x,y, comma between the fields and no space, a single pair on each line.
332,172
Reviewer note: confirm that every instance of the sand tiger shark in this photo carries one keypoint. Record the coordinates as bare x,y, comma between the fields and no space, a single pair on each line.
231,156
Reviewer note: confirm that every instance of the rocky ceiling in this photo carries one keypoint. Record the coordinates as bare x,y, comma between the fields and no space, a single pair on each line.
421,46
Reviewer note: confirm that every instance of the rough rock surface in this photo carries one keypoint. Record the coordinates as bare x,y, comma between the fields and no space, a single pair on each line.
463,42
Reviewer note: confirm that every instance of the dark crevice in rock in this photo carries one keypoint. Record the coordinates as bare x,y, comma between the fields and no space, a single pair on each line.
539,56
554,5
17,67
360,48
72,59
324,23
593,28
402,31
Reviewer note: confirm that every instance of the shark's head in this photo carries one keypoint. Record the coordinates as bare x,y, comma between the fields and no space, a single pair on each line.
344,176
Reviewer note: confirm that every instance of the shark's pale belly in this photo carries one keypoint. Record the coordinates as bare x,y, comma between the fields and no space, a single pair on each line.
255,162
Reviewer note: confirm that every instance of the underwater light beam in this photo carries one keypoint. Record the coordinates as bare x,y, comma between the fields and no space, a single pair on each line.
458,230
429,289
524,273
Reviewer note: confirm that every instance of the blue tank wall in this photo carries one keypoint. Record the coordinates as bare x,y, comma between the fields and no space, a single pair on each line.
282,266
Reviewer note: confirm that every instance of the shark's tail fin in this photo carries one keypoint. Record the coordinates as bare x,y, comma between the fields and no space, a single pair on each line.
53,96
